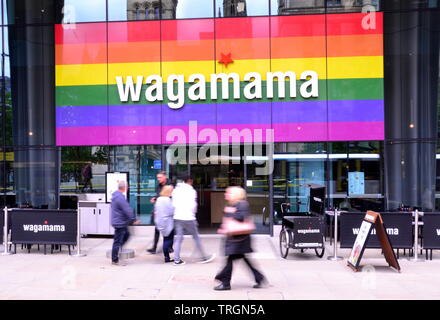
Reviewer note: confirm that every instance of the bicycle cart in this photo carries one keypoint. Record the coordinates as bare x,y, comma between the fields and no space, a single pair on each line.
305,230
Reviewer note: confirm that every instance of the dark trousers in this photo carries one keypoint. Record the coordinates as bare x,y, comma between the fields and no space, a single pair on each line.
167,245
87,182
156,233
225,275
156,238
120,238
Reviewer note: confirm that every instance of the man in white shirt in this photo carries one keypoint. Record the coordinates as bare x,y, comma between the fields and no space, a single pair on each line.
185,207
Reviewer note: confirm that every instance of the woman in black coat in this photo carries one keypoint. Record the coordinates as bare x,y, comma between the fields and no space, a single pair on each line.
236,247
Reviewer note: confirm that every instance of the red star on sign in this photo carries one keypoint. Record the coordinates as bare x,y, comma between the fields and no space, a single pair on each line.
45,222
225,59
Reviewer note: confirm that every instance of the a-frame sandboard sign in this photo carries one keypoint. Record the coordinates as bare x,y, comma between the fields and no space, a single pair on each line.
372,219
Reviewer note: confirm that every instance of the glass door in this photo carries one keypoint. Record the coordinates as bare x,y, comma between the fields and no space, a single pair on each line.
257,185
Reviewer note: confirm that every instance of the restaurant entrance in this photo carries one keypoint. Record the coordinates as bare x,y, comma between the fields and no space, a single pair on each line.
213,174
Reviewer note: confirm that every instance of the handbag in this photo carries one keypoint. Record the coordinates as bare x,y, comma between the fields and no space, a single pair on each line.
232,227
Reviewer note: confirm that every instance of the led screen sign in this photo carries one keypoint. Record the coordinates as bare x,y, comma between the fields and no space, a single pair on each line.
307,78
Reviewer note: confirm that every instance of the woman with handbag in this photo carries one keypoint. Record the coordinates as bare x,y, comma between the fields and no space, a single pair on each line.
237,226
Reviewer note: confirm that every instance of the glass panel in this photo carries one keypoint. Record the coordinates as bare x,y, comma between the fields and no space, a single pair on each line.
35,182
351,5
4,12
123,10
188,48
128,159
150,165
365,175
358,98
338,166
81,84
83,170
257,188
241,8
296,166
74,11
296,48
7,177
291,7
133,50
5,89
188,9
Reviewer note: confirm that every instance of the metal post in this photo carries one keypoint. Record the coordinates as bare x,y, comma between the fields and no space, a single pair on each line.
416,237
5,234
335,256
78,235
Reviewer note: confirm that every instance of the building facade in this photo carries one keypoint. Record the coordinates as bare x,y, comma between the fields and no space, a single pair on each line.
271,95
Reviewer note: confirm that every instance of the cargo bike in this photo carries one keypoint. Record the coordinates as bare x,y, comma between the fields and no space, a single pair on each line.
304,230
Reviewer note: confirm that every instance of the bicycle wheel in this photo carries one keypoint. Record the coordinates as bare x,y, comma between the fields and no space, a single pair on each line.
284,242
320,251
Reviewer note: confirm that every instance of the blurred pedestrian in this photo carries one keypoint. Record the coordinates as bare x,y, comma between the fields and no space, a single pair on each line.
86,173
184,199
121,216
163,219
162,181
237,246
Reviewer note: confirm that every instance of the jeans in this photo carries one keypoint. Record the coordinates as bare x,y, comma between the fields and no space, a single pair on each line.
167,245
225,275
190,226
120,238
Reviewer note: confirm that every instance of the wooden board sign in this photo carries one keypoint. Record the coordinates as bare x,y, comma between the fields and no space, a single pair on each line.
372,219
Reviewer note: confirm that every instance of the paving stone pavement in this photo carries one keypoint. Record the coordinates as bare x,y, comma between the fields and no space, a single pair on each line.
300,276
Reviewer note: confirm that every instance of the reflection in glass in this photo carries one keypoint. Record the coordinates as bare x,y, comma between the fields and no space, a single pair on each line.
4,13
351,5
291,7
191,9
75,177
142,163
295,166
83,11
132,10
242,8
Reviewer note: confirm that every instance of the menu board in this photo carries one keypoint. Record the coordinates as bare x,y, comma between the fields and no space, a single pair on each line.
360,244
372,219
111,184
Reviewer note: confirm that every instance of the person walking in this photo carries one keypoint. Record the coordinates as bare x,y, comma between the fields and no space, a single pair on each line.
121,217
237,246
162,181
184,199
163,219
86,173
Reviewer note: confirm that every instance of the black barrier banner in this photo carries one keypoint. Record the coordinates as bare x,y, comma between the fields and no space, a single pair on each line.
398,227
431,230
44,226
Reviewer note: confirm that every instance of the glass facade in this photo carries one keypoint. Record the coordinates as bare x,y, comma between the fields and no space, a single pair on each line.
40,51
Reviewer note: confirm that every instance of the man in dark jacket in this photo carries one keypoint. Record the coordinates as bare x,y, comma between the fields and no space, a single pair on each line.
122,216
162,181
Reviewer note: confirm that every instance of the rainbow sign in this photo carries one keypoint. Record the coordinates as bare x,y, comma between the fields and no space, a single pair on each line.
343,51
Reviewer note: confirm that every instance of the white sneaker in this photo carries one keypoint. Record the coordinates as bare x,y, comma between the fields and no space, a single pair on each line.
179,263
208,259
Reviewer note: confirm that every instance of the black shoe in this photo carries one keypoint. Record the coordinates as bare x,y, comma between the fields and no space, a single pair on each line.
169,260
152,251
222,287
